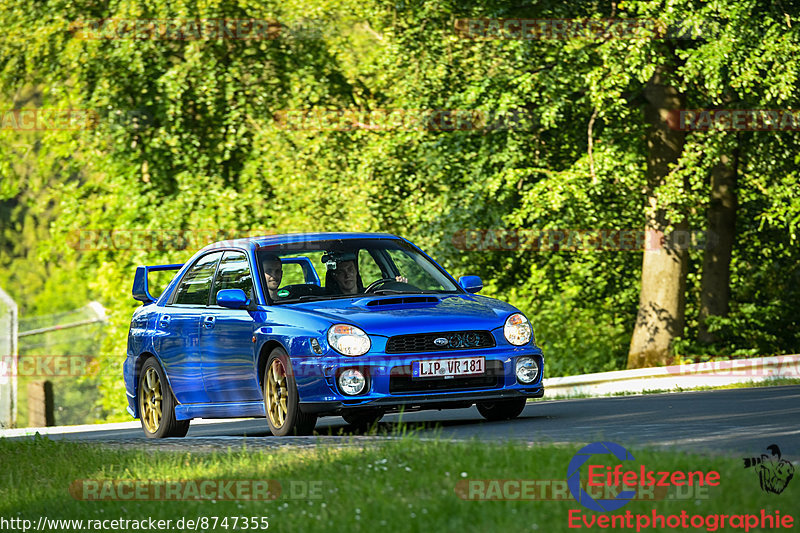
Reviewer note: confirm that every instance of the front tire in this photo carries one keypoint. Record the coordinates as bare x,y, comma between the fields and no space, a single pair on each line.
501,409
281,400
157,404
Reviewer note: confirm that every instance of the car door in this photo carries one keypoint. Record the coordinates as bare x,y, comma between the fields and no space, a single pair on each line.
226,337
178,325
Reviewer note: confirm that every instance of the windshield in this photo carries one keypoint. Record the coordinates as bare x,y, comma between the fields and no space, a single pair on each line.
340,268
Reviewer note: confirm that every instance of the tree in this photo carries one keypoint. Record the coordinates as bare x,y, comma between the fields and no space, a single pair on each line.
715,285
660,317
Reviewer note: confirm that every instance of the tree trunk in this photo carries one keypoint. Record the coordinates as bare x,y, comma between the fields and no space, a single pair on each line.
715,289
662,298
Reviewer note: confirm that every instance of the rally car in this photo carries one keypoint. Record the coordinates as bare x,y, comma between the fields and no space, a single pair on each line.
299,326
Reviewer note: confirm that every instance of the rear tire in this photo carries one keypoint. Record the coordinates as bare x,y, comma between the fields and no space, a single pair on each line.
281,400
157,404
501,409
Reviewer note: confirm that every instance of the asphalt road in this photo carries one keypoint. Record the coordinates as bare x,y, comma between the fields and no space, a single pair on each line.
740,422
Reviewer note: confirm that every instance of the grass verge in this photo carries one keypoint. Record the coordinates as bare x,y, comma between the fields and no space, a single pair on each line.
403,484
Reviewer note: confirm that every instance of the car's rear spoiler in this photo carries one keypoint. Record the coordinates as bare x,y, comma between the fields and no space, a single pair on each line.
141,291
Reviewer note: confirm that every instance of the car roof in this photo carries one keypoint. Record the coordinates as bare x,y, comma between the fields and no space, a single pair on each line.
272,240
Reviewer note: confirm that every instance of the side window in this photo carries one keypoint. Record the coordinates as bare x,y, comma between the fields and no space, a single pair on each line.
368,269
234,273
195,287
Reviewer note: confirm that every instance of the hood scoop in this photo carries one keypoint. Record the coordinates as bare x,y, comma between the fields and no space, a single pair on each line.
416,301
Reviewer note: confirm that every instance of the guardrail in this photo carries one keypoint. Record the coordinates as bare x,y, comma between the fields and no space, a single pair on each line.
712,374
108,426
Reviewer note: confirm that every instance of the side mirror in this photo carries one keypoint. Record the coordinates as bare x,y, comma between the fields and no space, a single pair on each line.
470,284
232,299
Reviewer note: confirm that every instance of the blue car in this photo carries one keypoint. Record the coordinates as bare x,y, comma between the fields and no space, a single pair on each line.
294,327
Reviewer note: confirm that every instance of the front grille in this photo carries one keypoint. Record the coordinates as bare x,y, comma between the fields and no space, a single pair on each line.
436,342
400,380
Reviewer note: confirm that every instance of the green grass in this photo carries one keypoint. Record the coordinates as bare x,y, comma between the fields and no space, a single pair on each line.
402,484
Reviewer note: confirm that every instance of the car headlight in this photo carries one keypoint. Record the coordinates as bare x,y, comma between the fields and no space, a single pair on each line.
348,340
518,330
352,382
527,369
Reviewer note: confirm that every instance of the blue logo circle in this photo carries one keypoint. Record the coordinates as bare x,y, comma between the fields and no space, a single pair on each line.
574,477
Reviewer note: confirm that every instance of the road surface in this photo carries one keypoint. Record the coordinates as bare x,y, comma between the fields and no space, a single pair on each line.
739,422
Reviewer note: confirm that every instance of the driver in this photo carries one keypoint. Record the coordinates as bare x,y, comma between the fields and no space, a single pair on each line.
342,276
273,274
343,272
346,275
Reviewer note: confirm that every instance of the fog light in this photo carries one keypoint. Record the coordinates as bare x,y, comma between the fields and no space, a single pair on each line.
527,370
352,382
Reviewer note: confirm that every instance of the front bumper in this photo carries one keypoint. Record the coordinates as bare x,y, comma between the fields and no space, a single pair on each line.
450,400
389,389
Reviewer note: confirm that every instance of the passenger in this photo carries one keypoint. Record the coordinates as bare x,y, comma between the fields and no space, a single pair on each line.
273,274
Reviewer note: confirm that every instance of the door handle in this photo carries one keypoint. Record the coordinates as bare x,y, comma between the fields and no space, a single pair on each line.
208,321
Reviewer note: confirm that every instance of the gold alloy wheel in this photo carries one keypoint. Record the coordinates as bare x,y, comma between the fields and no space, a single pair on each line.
277,393
150,398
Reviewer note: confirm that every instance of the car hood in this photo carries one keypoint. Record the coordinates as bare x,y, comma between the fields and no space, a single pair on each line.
399,314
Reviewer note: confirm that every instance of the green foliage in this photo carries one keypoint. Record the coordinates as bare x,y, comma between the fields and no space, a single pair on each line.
187,140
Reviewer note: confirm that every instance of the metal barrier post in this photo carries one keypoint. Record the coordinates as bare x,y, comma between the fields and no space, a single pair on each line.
9,334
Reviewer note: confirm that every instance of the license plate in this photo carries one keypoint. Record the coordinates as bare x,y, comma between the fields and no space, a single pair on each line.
448,368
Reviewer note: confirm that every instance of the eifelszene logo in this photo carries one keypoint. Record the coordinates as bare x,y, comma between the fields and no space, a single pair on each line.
774,473
574,476
615,477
